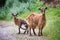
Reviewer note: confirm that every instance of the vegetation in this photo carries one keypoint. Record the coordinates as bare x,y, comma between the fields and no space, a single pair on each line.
52,29
48,0
18,6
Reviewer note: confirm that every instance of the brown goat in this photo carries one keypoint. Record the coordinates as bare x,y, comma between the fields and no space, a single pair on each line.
37,20
19,23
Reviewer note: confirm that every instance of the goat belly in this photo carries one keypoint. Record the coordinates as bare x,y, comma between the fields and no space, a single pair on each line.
24,23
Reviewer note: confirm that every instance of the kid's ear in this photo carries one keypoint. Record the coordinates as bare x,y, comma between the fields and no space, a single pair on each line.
45,7
17,14
39,9
12,14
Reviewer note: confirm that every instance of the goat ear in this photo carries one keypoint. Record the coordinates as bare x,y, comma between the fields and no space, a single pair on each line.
45,7
12,14
39,9
17,14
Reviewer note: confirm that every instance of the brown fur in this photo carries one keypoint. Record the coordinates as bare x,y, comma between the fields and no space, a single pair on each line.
19,23
37,20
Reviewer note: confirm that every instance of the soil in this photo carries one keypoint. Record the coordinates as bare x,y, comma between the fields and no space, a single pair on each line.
8,31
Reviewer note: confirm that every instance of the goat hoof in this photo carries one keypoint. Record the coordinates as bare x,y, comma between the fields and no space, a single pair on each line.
39,35
30,35
18,33
42,35
35,34
24,33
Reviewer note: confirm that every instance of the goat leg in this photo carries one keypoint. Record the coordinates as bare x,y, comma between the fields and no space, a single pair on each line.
19,30
30,32
34,32
25,31
39,32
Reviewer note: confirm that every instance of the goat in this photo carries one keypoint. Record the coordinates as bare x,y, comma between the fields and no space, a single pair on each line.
37,20
19,23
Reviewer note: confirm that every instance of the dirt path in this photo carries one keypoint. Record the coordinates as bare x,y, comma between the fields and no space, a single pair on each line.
8,31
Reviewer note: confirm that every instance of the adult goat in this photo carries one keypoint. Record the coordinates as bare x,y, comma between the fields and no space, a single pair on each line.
37,20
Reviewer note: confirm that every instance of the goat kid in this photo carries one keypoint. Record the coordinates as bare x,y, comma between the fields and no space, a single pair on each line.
19,23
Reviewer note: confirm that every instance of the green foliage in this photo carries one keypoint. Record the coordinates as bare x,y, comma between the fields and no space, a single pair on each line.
52,29
18,6
48,0
23,0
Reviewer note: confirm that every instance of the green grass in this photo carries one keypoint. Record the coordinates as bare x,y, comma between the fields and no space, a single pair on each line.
16,6
52,28
24,15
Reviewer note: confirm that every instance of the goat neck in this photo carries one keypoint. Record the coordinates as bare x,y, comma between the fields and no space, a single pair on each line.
15,20
43,15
